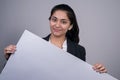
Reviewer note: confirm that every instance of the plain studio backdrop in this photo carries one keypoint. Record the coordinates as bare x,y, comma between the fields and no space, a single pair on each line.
99,23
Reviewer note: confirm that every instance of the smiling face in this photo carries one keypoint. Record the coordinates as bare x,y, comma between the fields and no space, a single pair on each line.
59,23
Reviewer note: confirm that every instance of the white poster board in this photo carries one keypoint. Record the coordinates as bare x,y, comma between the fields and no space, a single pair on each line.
37,59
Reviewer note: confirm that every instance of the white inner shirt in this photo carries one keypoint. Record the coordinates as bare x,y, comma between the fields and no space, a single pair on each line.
64,46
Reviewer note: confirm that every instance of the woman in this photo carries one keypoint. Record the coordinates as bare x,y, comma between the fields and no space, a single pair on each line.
64,34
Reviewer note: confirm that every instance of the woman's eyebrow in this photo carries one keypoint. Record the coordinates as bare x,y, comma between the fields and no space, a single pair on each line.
54,17
60,19
64,19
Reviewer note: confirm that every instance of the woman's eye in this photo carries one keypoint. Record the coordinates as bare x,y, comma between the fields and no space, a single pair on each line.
64,22
54,19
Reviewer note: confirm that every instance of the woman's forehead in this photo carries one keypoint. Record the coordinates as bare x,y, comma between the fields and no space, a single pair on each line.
60,14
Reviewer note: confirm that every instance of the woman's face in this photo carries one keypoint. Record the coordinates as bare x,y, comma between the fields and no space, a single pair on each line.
59,23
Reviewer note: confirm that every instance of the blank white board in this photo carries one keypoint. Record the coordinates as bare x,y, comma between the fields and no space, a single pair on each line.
37,59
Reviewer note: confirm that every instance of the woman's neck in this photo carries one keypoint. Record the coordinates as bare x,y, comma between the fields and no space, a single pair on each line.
57,41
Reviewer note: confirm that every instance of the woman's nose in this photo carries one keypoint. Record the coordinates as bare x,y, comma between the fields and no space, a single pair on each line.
58,24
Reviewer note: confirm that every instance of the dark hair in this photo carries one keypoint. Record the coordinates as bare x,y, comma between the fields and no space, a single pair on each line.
72,34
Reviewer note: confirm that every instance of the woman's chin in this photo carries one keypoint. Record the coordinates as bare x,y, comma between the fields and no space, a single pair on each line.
57,34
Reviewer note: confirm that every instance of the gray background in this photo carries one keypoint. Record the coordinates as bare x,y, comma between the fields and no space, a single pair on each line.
99,23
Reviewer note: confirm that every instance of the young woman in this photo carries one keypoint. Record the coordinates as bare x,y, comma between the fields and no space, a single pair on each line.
64,34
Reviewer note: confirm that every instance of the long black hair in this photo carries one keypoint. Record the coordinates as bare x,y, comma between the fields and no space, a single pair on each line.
72,34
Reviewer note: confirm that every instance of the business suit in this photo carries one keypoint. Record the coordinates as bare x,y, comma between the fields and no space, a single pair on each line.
74,49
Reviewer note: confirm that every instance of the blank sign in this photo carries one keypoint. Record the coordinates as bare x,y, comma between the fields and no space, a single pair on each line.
37,59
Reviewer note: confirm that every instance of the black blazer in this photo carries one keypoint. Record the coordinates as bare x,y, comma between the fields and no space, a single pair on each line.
74,49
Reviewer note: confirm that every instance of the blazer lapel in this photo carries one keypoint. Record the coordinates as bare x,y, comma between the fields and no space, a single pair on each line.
47,38
70,47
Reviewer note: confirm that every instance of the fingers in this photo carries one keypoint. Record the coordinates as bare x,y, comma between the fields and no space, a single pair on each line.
99,68
9,50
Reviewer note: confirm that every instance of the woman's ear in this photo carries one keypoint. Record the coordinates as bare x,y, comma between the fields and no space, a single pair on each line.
70,27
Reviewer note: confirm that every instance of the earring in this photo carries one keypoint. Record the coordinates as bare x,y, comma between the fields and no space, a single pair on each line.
70,27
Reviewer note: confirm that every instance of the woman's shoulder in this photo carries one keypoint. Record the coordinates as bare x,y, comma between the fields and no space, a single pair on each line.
74,44
76,49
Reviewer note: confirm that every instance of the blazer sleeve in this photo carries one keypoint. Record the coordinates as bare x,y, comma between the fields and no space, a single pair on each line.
76,50
81,52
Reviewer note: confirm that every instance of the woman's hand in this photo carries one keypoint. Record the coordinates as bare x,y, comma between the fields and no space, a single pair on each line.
9,50
99,68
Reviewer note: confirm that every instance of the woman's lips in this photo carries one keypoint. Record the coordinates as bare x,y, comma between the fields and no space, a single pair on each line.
56,30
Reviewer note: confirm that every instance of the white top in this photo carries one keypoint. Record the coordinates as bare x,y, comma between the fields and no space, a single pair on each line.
64,46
